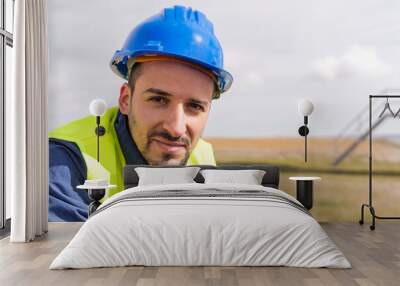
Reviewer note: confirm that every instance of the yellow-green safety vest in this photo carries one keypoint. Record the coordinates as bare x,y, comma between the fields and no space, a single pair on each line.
112,161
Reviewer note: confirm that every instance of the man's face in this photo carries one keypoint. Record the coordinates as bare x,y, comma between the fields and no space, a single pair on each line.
167,110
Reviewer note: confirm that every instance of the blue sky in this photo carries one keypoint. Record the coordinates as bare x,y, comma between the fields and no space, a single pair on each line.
334,53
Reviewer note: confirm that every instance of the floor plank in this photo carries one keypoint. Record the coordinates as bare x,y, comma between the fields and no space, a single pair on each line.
374,255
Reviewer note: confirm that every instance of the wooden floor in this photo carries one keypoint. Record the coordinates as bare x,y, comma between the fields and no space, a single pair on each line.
374,255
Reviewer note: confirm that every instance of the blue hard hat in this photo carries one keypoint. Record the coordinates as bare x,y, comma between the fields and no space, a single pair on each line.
177,32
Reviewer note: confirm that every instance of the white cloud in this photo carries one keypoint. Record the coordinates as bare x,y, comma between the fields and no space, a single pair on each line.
356,61
326,68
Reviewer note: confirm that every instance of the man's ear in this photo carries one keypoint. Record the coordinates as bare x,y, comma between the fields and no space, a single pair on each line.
124,99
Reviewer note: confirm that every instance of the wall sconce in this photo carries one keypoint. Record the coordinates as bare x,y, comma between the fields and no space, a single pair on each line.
97,108
97,188
305,108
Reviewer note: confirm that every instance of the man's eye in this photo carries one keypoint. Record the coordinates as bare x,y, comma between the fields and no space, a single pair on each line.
196,106
158,99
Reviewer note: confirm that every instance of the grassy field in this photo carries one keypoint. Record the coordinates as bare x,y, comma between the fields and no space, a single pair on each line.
343,188
289,154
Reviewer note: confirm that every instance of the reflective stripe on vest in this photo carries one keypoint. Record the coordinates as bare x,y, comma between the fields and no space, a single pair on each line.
82,133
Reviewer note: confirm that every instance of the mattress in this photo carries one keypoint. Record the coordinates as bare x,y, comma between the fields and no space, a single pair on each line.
201,225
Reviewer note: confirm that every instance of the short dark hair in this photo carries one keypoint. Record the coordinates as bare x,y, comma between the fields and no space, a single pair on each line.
135,73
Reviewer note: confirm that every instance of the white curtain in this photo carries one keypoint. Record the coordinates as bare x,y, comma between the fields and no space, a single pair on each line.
26,123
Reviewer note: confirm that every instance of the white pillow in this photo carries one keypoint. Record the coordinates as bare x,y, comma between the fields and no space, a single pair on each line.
249,177
162,176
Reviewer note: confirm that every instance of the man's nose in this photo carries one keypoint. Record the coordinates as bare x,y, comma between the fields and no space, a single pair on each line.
175,122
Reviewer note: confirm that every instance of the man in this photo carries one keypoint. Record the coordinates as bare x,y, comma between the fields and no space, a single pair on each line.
174,67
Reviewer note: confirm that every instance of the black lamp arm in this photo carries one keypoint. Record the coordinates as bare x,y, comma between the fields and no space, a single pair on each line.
303,131
100,131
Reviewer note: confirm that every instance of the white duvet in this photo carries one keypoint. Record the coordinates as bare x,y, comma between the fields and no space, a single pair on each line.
184,230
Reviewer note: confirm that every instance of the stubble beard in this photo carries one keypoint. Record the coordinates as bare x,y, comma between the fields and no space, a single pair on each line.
166,158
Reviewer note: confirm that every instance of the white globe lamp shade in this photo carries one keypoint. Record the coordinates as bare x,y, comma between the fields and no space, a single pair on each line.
305,107
98,107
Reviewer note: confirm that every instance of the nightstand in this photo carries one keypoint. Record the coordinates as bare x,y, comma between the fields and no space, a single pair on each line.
96,190
304,190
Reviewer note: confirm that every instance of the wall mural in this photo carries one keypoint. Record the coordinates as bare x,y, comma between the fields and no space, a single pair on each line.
231,88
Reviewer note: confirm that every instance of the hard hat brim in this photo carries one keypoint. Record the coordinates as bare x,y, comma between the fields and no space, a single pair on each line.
119,65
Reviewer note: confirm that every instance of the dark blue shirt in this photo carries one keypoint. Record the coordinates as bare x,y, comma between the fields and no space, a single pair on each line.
67,169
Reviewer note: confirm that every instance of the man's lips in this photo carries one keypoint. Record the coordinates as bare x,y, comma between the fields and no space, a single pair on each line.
170,146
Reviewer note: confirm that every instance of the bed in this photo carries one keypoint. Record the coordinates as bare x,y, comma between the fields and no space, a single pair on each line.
201,222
